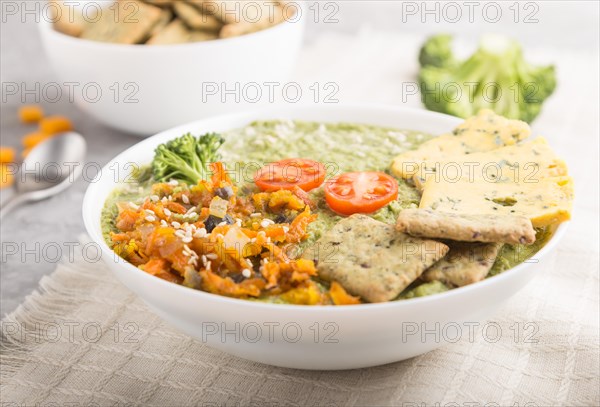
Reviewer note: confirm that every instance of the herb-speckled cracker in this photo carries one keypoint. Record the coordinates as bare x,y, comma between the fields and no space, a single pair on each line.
194,19
465,263
466,228
129,23
177,32
371,259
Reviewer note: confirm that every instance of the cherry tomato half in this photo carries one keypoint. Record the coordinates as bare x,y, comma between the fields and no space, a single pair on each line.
290,173
360,192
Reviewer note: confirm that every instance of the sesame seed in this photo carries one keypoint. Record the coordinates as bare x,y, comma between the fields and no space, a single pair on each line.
149,211
150,218
133,206
174,182
163,223
185,199
286,229
200,233
154,198
266,222
204,259
186,239
164,199
238,223
167,212
222,223
246,273
255,215
212,256
191,211
208,265
176,224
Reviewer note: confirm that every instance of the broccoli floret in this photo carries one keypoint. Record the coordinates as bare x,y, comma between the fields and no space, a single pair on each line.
437,51
495,77
186,158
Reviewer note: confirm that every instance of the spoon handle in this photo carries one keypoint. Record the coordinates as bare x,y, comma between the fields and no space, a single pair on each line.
12,203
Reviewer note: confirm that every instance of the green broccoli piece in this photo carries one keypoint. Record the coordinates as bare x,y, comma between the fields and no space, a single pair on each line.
495,77
186,158
437,51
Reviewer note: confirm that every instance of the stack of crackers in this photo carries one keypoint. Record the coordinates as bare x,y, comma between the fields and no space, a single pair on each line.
159,22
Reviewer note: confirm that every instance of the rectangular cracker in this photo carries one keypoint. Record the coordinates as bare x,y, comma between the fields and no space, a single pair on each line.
131,22
465,263
371,259
177,32
491,228
194,19
485,132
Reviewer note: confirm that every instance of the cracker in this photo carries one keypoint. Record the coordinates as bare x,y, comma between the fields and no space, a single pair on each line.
68,20
131,22
371,259
491,228
194,19
165,18
177,32
465,263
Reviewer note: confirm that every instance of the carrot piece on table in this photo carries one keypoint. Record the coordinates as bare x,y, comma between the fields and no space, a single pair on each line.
33,139
55,124
6,176
31,114
7,155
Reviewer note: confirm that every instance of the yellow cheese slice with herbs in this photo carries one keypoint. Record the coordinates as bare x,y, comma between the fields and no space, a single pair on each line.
484,132
544,202
524,162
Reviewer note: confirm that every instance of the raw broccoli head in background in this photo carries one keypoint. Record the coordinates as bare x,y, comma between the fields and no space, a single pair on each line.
186,158
437,51
495,77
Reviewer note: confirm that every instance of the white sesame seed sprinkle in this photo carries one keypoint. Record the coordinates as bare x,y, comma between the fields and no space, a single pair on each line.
167,212
176,224
266,222
200,233
133,206
164,199
163,223
255,215
211,256
149,212
246,273
186,239
185,199
150,218
222,223
174,182
286,229
154,198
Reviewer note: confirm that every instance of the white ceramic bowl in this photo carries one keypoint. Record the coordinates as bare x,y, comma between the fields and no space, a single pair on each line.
145,89
305,337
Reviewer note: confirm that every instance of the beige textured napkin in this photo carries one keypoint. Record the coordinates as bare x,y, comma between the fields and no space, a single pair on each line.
84,338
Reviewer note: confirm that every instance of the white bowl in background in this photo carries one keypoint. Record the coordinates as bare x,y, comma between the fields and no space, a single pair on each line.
145,89
309,337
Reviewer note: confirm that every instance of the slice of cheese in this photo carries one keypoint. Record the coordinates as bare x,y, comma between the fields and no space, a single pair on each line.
484,132
544,202
525,162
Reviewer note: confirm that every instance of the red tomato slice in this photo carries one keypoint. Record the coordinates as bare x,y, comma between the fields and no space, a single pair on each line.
360,192
289,174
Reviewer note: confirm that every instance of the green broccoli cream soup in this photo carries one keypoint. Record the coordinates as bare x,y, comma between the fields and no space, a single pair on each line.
341,147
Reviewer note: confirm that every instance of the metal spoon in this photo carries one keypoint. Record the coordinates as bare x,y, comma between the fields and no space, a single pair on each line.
49,168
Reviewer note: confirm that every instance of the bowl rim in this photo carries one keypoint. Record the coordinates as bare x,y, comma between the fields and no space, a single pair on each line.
89,219
46,29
